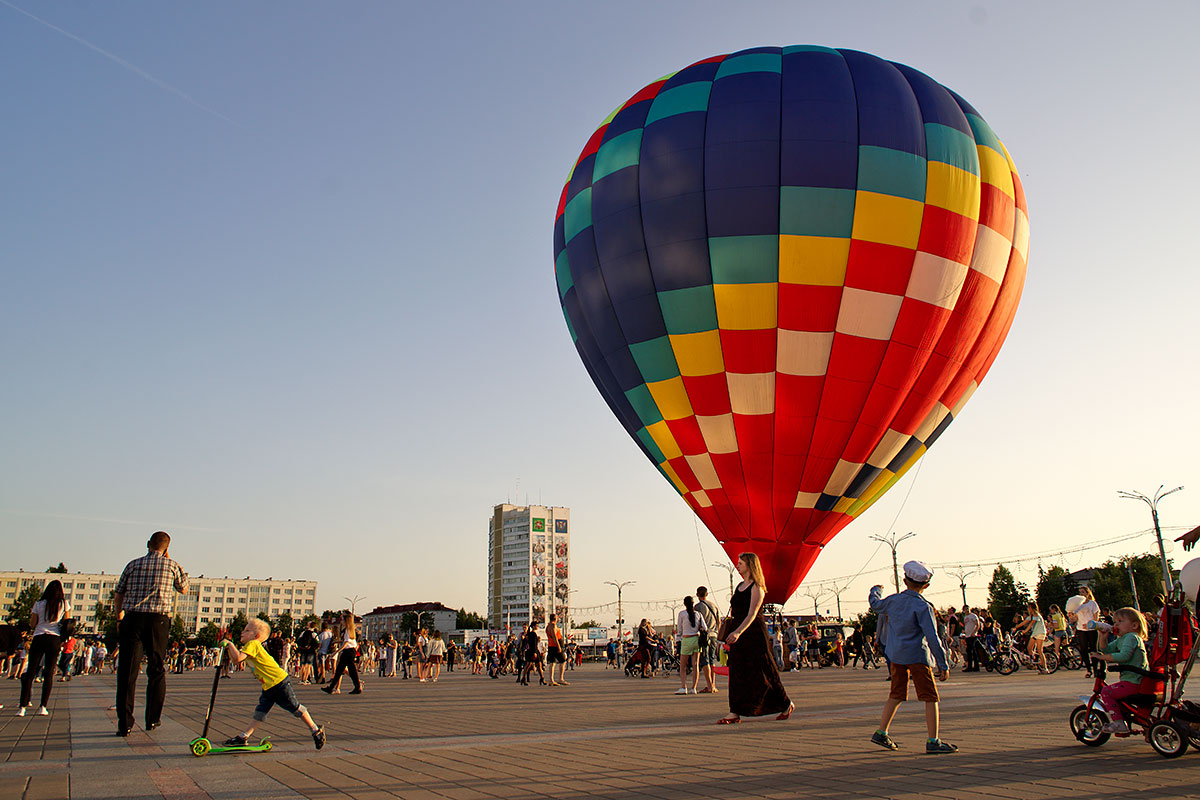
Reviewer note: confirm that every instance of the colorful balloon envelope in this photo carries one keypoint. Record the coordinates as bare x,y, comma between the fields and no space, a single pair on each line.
786,270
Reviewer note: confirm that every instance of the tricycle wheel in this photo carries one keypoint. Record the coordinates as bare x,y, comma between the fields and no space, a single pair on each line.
1167,740
200,747
1087,724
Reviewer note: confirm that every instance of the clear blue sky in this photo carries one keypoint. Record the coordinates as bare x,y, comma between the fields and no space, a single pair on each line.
278,278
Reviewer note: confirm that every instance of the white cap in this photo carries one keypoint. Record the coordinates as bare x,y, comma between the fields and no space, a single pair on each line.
917,572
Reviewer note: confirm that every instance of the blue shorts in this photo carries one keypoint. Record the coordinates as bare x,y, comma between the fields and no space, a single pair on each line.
282,695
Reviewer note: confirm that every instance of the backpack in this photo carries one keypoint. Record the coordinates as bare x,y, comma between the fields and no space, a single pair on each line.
307,641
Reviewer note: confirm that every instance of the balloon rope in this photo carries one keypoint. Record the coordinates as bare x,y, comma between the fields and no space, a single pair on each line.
891,527
700,547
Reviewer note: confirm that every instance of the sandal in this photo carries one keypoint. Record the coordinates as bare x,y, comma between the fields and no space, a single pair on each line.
729,720
791,707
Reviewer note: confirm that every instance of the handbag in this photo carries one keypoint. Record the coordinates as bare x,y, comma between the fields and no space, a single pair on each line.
725,629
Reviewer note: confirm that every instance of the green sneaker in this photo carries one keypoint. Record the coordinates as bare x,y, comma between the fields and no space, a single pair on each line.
883,740
939,747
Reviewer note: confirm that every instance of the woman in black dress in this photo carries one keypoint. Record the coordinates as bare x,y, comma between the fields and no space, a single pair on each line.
755,688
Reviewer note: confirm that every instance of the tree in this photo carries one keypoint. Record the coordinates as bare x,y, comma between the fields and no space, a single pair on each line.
106,621
207,636
334,617
1054,586
1006,597
263,616
237,626
469,621
591,623
59,570
1110,582
307,618
410,621
22,607
284,624
179,630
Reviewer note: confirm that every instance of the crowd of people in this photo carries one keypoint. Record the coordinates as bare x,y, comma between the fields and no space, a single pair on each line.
917,643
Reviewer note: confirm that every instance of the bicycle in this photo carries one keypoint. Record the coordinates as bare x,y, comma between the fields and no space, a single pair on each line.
1014,656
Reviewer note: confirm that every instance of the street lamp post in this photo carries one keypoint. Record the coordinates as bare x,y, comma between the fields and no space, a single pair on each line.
815,592
837,592
352,601
892,542
620,609
962,581
731,570
1153,503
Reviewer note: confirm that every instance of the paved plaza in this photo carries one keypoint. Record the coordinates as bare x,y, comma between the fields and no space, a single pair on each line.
605,736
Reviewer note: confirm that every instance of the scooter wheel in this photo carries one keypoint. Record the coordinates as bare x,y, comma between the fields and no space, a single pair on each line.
200,747
266,745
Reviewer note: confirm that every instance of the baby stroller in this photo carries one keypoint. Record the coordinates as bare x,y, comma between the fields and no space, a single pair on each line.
633,665
1158,711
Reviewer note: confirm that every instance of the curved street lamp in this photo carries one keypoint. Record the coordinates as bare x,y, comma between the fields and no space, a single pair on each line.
1153,503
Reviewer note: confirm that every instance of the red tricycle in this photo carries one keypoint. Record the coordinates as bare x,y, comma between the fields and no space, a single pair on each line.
1157,711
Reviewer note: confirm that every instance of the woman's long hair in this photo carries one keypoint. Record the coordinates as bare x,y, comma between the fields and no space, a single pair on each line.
689,604
53,595
756,573
348,626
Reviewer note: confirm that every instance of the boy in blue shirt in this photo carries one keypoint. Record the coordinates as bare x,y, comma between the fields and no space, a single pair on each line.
910,639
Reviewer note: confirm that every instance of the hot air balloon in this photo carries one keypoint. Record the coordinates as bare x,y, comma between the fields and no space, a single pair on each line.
786,270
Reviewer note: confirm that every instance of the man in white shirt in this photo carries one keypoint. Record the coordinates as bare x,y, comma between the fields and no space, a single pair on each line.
971,639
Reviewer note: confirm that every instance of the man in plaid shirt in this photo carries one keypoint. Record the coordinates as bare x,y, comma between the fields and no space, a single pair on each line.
143,600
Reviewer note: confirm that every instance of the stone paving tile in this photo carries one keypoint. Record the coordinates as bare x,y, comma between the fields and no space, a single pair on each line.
48,787
613,738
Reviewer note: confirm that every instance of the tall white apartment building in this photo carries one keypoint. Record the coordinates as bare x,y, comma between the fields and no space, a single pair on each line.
216,600
529,564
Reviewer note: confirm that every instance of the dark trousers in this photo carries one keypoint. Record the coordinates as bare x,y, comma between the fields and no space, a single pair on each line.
345,663
1087,642
42,651
972,654
139,632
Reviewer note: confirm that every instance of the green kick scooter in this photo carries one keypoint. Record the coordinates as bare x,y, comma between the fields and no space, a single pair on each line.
202,746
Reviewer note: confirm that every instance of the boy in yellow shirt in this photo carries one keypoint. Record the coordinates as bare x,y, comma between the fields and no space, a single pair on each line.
277,689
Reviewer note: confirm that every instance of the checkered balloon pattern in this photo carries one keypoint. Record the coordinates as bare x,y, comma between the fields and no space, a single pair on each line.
786,270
